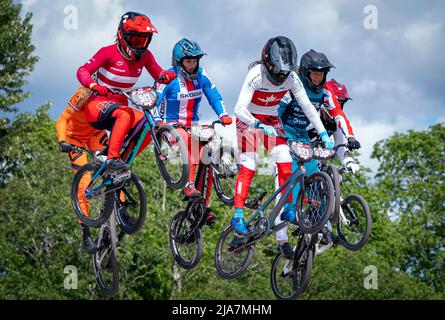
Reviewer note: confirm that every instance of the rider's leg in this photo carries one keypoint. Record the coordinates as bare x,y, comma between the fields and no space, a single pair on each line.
281,235
247,143
281,156
193,150
79,159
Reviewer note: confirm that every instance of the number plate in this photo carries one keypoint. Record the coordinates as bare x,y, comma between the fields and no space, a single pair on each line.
303,151
144,97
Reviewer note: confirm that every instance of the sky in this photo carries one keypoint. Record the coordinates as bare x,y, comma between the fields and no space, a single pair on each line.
389,54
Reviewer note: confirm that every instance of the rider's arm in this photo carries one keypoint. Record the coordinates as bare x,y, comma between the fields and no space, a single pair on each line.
308,108
212,94
251,84
85,72
153,68
61,123
334,109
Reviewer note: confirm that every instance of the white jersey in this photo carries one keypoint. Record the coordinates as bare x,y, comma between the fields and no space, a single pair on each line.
259,96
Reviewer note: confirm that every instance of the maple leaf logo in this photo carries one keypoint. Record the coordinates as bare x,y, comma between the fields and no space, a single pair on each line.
268,100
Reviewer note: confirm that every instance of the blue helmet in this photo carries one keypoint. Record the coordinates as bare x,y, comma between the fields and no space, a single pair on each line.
186,49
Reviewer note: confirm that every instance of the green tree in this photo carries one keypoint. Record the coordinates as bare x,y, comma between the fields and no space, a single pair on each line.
411,178
39,236
16,59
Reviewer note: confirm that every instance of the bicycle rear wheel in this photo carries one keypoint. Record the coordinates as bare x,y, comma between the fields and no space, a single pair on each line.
172,158
105,265
302,270
355,230
91,200
186,247
281,278
233,254
224,181
132,205
314,206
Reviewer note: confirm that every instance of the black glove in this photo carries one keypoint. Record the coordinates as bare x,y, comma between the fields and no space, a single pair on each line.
353,144
65,146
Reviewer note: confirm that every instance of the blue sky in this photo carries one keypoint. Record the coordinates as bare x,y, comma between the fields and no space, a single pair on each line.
394,72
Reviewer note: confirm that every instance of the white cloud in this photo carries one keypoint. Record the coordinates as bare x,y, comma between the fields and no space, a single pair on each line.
386,70
421,36
368,132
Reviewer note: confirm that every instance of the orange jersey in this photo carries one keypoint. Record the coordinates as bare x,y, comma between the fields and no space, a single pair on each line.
72,122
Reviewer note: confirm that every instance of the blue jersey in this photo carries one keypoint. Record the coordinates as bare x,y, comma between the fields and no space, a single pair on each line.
178,101
292,116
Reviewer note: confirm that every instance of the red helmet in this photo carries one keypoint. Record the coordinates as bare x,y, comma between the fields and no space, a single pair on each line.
340,91
134,34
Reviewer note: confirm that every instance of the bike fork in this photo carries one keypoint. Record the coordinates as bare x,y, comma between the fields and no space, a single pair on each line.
343,218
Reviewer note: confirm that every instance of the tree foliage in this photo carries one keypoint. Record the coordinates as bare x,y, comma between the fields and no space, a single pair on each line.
411,178
39,237
16,59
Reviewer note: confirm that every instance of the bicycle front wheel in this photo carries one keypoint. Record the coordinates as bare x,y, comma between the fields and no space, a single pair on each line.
91,200
354,226
224,179
172,157
132,205
315,202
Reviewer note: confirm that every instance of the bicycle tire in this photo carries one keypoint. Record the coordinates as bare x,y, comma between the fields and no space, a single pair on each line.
107,207
220,255
284,274
368,221
227,199
175,239
176,183
109,290
301,286
333,173
304,223
135,226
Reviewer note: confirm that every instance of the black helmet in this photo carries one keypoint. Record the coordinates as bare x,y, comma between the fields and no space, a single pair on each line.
314,61
280,58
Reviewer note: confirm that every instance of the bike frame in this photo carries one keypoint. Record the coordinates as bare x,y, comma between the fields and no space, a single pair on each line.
203,177
132,143
291,182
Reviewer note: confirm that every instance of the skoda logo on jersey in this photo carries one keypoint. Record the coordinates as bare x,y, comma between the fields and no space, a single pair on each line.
120,63
195,82
190,95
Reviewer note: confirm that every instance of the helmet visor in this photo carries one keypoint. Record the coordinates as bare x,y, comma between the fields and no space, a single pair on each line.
139,41
283,57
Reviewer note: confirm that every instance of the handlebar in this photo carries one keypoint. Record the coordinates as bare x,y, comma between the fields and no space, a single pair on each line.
78,149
